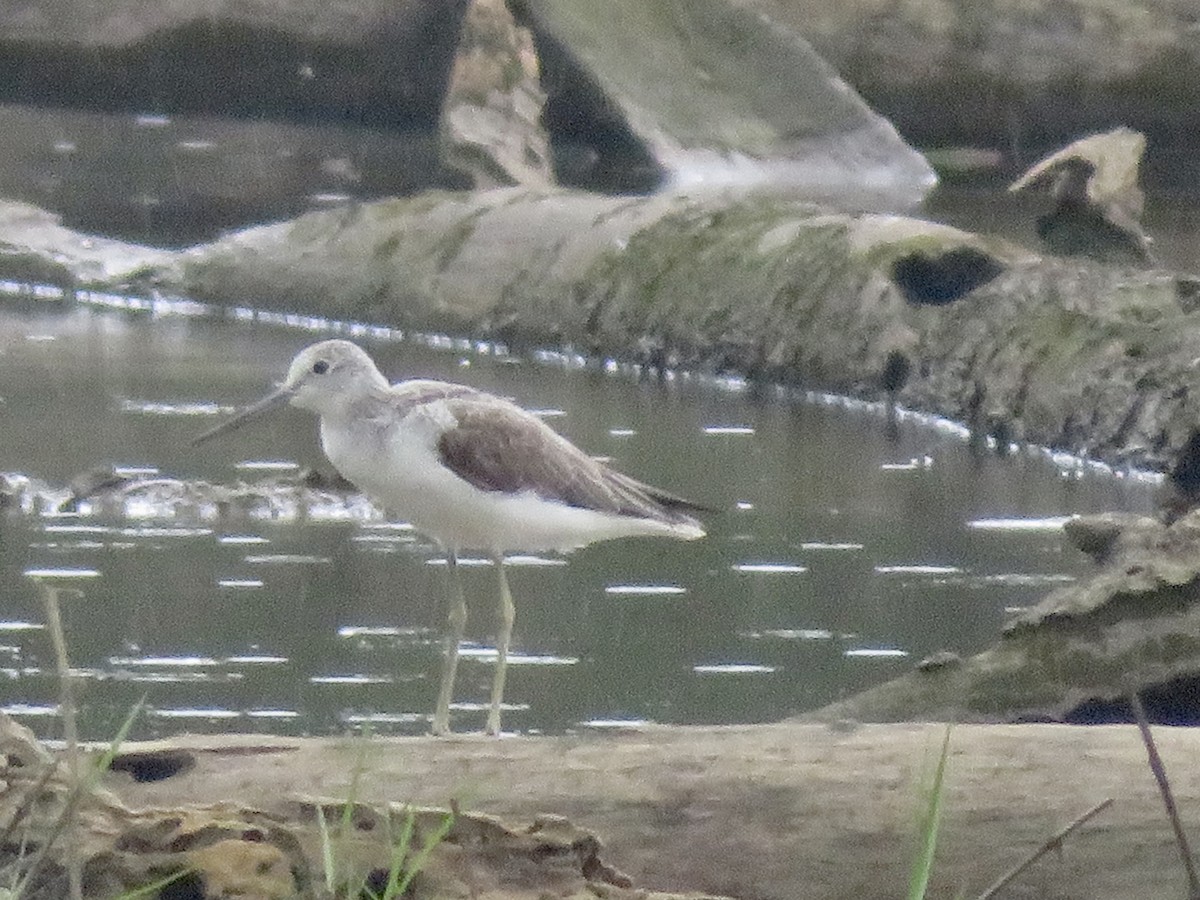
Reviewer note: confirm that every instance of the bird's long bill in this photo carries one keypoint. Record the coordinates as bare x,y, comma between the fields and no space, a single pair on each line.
277,397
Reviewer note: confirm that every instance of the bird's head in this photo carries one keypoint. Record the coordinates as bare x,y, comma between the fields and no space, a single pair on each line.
322,378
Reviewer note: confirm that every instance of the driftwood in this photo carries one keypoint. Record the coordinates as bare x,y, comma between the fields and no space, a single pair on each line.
230,849
773,812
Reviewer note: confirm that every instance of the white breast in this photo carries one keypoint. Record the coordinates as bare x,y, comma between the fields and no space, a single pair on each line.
391,461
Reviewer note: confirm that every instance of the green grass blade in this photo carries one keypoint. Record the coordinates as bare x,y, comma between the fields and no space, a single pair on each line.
422,856
328,860
922,867
153,889
118,740
85,783
396,871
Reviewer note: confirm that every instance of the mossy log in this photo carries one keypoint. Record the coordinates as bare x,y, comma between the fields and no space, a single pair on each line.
1075,355
1078,356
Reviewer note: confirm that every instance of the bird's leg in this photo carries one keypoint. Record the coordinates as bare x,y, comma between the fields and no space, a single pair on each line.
456,621
507,614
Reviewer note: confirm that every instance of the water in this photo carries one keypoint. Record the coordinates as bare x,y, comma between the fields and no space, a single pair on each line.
836,558
176,180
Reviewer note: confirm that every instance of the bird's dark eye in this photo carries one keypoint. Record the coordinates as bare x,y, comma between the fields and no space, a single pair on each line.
320,367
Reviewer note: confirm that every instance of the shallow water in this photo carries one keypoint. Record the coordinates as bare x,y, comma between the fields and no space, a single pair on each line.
836,558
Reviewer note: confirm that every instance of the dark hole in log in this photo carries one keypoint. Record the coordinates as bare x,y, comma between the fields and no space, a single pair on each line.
1174,702
364,824
153,765
1187,293
1182,492
896,369
926,280
189,886
376,883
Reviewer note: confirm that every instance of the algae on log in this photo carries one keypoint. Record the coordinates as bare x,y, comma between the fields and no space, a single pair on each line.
1078,654
1073,355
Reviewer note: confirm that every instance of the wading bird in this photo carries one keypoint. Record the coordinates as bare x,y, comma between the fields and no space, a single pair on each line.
470,470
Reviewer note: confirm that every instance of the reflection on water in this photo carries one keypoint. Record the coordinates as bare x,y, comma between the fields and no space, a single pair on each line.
184,179
835,560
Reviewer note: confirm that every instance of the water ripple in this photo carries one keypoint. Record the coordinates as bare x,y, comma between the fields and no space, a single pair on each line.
876,653
766,568
645,590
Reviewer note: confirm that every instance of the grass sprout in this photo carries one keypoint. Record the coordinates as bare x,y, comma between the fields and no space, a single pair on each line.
400,876
922,864
80,786
403,864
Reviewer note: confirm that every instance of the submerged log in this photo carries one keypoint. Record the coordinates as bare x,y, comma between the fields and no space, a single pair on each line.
1074,355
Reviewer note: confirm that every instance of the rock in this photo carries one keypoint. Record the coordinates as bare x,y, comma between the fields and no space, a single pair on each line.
251,870
11,492
304,495
491,121
1015,77
35,247
1097,535
707,95
102,479
1097,201
322,105
939,660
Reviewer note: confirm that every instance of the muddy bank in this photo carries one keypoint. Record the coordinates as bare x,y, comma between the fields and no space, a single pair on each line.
771,812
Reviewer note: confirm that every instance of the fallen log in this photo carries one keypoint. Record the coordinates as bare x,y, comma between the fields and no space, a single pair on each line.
1078,356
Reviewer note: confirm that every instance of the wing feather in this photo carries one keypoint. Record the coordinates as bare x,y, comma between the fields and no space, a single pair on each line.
497,446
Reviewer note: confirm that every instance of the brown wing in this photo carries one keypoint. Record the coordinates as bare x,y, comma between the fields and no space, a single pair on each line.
497,446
